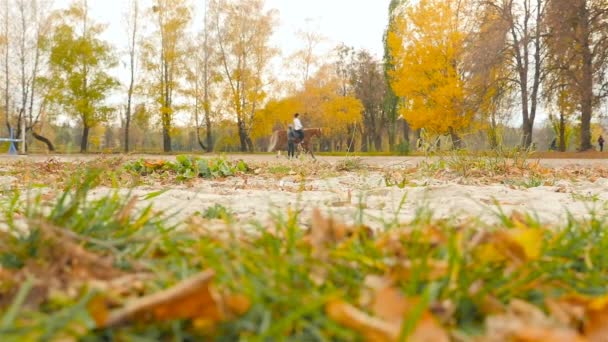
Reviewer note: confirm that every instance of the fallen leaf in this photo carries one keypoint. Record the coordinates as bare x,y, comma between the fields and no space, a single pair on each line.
237,304
525,322
326,232
193,298
371,328
596,323
98,310
390,308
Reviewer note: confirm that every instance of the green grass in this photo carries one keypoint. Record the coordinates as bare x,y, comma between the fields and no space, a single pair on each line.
287,280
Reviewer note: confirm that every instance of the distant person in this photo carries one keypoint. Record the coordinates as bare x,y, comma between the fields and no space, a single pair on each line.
553,146
600,141
291,144
298,127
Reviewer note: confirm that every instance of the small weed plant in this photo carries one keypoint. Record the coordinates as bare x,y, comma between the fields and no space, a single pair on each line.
189,167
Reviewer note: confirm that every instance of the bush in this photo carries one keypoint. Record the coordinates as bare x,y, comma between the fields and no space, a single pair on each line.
189,167
403,148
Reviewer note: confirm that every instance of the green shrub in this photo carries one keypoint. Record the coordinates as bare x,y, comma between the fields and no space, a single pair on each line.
189,167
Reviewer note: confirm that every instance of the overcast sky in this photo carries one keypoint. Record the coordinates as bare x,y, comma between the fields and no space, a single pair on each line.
358,23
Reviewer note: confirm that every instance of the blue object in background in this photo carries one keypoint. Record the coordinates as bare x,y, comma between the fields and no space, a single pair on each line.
12,150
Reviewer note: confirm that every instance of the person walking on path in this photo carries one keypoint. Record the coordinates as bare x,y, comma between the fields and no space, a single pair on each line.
600,141
291,144
298,127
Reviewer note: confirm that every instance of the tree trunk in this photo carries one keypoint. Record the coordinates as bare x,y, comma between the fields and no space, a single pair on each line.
365,141
562,133
43,139
406,132
378,142
166,133
84,141
242,135
587,81
209,138
527,127
456,141
127,125
200,142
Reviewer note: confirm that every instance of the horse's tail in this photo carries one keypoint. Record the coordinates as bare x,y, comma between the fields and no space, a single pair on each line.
274,139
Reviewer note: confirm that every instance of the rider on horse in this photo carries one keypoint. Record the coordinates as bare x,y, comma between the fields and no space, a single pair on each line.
298,128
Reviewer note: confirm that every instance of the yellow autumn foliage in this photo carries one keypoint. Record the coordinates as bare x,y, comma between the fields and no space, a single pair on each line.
427,46
320,103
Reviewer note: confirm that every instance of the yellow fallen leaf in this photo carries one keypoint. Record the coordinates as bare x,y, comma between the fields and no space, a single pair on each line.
530,240
98,310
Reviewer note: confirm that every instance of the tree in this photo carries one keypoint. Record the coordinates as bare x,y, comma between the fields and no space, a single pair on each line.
203,75
132,21
391,101
427,46
306,59
31,35
243,30
6,54
370,88
78,81
164,57
323,104
487,66
526,49
577,41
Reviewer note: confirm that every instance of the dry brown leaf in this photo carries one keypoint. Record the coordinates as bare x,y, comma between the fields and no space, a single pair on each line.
527,323
547,335
371,328
154,164
390,308
193,298
326,232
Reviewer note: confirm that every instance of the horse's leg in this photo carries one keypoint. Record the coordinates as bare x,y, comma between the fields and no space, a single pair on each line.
309,151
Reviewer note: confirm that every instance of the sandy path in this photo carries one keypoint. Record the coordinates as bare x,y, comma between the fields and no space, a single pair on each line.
259,197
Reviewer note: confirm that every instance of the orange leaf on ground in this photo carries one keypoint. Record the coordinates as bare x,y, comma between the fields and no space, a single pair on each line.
193,298
98,309
596,325
373,329
154,164
390,308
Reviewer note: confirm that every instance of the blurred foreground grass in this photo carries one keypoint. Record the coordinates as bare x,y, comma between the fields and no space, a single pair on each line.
77,268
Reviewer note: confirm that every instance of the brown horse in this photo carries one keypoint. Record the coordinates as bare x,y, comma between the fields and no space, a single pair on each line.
278,141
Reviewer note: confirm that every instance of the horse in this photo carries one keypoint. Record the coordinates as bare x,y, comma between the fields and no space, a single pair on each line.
278,141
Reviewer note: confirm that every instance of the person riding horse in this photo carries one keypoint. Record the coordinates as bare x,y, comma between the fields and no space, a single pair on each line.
298,128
